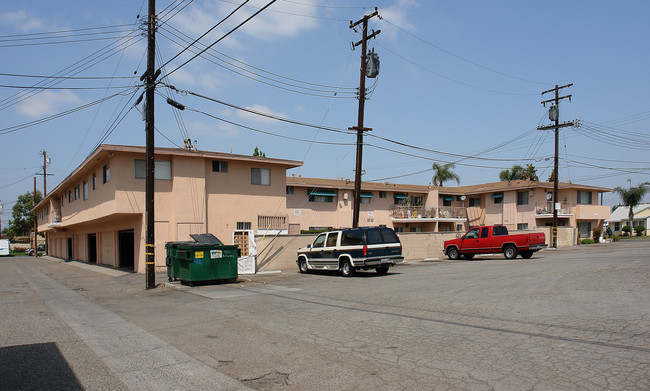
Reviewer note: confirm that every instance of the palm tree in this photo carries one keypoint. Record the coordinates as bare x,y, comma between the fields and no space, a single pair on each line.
443,173
632,196
516,172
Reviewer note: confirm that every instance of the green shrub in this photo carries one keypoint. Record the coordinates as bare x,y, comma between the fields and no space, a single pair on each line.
596,234
616,238
626,230
639,229
587,241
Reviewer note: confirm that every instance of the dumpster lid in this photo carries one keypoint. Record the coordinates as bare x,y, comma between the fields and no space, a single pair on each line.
205,239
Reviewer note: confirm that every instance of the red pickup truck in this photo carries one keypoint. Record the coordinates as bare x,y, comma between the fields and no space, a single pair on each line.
494,239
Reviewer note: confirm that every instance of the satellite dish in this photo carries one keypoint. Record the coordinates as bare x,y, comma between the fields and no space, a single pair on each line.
549,196
462,198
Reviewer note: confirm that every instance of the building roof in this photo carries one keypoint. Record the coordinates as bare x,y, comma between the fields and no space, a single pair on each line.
459,190
105,151
622,213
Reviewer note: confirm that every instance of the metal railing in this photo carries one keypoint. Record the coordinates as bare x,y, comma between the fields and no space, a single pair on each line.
426,212
547,208
272,222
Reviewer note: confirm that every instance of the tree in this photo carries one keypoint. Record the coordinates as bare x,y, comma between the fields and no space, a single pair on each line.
530,173
551,178
443,173
632,196
23,218
258,152
518,172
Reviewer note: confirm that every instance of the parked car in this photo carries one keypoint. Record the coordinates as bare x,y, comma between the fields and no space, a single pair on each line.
494,239
348,250
40,248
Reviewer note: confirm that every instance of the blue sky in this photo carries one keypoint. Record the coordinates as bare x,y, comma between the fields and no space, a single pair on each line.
460,82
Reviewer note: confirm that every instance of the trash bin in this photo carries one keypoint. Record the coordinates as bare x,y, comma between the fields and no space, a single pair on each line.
205,259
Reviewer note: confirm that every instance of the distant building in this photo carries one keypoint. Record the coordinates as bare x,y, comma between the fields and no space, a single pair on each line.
621,217
314,203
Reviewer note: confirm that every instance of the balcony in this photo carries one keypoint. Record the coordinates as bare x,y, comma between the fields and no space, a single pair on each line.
546,209
427,213
54,219
272,225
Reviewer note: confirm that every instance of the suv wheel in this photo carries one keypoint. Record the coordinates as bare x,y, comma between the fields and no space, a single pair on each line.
346,269
381,270
303,266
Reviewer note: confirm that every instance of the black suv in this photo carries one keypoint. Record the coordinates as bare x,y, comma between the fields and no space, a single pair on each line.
352,249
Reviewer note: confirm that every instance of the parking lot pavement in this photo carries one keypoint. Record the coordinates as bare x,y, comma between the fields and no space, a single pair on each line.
569,319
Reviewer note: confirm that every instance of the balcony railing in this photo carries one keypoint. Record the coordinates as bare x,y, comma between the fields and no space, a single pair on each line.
566,208
272,222
426,212
55,216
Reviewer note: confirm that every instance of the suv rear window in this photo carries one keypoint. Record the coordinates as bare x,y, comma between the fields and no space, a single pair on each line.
389,235
352,238
374,237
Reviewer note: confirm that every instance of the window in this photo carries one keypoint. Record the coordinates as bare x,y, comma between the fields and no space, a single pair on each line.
522,226
261,176
290,189
331,239
499,231
584,228
584,197
399,198
76,192
162,169
474,202
106,174
94,181
321,195
243,225
484,232
219,166
498,200
374,237
472,234
85,190
352,238
365,200
497,197
416,200
382,194
446,202
522,197
459,227
320,241
69,196
617,226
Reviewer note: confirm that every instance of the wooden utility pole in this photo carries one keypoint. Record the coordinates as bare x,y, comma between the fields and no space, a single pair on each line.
150,76
35,221
554,115
362,100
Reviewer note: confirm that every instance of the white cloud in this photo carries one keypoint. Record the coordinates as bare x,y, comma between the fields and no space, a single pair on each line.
22,21
259,118
47,103
397,15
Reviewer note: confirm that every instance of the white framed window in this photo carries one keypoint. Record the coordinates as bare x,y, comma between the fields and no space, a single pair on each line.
219,166
106,174
261,176
85,190
522,226
584,197
522,197
244,225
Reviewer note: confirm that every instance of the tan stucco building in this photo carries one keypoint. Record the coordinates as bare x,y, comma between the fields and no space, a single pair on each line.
314,203
97,214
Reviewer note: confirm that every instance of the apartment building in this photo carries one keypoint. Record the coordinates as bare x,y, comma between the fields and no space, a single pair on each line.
97,214
314,203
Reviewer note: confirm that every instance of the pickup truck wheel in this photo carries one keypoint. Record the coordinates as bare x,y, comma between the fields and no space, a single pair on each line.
510,252
381,270
468,256
346,269
302,265
526,254
452,253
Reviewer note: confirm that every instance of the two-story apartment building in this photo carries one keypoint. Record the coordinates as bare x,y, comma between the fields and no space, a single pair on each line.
97,214
321,203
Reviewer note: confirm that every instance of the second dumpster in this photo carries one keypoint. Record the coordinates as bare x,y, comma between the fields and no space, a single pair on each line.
205,259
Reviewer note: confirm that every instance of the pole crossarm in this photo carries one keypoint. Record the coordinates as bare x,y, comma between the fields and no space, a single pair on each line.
562,125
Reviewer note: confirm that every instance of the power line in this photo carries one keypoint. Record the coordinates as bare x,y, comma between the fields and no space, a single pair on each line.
224,36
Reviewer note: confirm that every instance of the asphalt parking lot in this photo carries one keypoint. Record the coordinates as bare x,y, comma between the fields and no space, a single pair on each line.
569,319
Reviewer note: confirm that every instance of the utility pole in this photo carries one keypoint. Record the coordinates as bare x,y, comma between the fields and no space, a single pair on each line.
35,221
362,99
554,115
150,76
45,174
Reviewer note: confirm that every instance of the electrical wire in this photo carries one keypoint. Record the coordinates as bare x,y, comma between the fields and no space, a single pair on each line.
223,36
